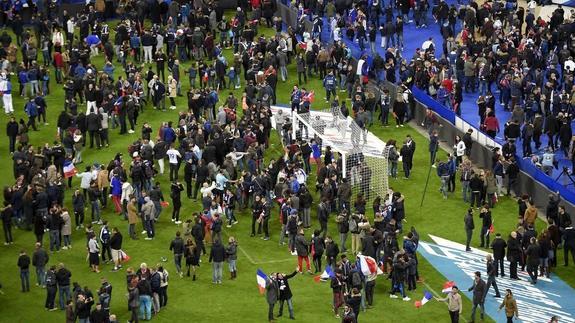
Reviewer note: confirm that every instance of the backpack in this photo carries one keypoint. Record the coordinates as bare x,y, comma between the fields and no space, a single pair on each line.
148,170
353,227
137,171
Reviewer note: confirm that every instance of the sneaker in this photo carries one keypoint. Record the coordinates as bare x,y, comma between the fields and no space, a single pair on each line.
64,248
392,296
6,243
235,222
148,238
266,238
406,299
178,222
130,131
100,222
228,226
173,220
181,275
144,232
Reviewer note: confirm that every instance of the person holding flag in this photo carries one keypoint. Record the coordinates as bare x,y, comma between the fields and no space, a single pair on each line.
454,303
272,294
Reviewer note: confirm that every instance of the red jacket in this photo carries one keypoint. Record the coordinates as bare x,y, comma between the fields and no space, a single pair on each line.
491,123
58,61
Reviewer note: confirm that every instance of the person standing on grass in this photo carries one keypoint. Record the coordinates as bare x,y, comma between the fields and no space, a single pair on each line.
51,289
63,279
133,218
104,238
24,265
177,247
232,256
147,212
485,215
285,293
7,215
94,253
217,256
272,294
498,245
39,260
174,157
454,304
192,254
79,203
116,248
302,250
338,287
133,303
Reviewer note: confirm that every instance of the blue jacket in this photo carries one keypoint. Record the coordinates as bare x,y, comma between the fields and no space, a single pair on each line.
135,42
31,109
23,77
169,135
329,82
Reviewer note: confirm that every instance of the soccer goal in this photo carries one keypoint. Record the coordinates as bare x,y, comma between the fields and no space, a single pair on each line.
364,156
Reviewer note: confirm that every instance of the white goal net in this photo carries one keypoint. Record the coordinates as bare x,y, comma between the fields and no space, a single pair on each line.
364,157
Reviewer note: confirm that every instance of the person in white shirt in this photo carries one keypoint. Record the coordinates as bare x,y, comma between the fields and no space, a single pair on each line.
459,148
6,91
173,156
94,253
127,191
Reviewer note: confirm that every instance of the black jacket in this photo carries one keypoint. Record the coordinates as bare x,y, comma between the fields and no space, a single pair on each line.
12,129
498,245
285,291
63,277
218,253
177,246
116,241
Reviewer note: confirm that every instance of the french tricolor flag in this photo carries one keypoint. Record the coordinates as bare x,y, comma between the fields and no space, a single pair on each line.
69,169
262,280
368,265
327,274
426,298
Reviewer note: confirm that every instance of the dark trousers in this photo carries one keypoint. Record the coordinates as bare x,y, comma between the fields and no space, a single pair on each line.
317,262
106,250
8,232
499,268
469,234
50,296
484,237
266,226
532,271
566,250
189,188
173,172
254,225
12,143
454,315
94,135
271,311
369,289
513,269
491,281
475,198
163,294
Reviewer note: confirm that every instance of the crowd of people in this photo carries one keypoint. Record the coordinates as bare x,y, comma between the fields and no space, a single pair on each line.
221,149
